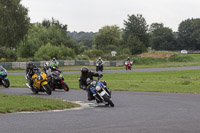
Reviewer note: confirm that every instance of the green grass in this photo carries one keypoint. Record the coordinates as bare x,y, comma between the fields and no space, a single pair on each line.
196,57
18,103
164,81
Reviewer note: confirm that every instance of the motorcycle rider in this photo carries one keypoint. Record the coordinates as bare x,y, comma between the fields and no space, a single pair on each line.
87,75
99,64
100,61
2,69
30,71
46,68
54,64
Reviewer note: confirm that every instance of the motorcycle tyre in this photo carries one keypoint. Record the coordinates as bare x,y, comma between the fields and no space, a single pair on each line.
48,89
107,99
96,69
7,83
65,86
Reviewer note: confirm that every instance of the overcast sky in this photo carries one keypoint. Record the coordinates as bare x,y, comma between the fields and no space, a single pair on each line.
91,15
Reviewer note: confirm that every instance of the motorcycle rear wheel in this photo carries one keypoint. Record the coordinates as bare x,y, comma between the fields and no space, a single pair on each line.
107,99
6,83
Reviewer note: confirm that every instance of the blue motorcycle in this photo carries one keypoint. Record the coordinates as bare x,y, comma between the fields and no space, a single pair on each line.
3,78
101,92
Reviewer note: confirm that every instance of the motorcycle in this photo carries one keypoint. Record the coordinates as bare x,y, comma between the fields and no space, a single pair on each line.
3,78
128,65
56,81
101,92
99,66
40,83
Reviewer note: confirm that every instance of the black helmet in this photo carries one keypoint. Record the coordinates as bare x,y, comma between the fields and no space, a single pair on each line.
84,70
30,64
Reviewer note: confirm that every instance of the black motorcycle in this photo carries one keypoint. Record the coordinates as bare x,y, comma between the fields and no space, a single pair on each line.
56,81
99,66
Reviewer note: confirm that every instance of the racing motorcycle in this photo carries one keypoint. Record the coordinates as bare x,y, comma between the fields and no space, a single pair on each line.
3,78
40,83
56,81
128,65
99,66
101,93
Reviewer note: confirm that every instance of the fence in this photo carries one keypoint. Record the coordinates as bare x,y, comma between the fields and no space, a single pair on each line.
23,65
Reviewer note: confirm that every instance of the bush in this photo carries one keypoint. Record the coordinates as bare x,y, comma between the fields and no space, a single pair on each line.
148,60
108,57
48,51
7,54
180,58
82,57
94,53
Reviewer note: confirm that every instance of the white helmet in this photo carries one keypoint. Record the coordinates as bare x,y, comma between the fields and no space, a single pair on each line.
46,64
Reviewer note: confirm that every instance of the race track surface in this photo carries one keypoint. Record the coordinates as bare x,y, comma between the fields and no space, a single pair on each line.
133,70
134,112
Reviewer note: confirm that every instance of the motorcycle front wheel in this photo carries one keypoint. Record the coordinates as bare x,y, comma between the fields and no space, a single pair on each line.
6,83
65,86
107,99
47,89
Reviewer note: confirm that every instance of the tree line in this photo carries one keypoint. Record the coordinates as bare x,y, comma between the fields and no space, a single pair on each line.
20,39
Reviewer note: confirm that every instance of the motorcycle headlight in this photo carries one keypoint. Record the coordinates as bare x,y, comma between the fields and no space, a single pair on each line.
98,88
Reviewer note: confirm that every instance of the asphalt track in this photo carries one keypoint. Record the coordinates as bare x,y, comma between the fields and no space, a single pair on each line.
133,70
134,112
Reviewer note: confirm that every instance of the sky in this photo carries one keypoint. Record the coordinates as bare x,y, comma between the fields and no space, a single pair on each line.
92,15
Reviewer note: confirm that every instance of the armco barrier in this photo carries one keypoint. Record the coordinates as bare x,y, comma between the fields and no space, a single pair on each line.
23,65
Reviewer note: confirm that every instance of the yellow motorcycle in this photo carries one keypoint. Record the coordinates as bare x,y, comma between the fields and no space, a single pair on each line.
40,83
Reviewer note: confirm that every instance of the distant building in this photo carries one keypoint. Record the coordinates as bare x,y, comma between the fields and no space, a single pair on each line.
113,53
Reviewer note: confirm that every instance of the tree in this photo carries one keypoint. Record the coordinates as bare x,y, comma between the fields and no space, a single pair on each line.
108,38
39,35
185,31
136,29
162,38
189,34
84,38
14,22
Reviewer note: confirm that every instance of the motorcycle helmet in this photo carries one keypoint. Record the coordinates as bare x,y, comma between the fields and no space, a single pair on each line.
99,58
30,64
46,65
84,70
54,59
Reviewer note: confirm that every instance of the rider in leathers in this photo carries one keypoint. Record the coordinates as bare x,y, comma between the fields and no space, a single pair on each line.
30,72
87,75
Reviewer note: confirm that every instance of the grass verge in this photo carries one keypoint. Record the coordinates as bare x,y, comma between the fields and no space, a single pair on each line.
164,81
18,103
